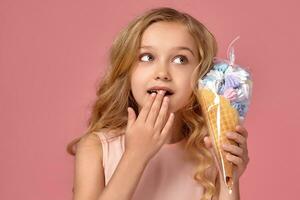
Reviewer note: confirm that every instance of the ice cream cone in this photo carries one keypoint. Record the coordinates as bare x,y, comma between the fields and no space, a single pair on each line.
220,118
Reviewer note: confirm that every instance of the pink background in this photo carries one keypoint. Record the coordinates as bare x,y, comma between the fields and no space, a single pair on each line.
53,52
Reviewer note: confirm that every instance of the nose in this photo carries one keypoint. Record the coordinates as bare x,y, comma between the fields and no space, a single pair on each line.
162,73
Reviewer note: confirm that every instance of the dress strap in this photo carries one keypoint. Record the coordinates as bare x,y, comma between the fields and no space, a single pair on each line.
104,143
113,149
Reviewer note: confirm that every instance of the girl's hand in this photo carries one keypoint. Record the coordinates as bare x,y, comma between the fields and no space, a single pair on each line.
145,135
237,154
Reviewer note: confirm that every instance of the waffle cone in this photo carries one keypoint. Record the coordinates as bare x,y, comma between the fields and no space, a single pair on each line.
220,118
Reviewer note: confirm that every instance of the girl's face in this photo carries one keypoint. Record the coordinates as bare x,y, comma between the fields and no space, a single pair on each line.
166,58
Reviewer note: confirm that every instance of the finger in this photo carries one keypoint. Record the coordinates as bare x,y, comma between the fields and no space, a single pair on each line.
151,118
207,142
209,145
233,149
146,108
246,159
166,130
162,114
234,159
241,140
131,117
242,130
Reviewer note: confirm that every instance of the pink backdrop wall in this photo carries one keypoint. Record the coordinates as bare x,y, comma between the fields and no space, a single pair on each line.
53,52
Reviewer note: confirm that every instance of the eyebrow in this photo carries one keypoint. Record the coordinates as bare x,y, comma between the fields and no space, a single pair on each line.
177,48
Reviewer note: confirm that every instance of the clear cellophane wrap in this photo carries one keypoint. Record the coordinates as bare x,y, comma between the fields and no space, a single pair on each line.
224,95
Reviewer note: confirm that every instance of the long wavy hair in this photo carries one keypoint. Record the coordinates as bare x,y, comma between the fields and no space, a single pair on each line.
109,111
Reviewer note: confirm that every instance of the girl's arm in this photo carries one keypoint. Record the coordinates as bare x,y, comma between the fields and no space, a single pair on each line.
143,141
224,195
89,174
222,191
125,179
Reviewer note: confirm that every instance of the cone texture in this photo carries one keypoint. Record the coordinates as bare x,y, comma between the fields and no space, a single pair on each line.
220,118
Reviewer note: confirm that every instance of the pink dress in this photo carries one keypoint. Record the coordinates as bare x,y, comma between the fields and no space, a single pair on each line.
168,175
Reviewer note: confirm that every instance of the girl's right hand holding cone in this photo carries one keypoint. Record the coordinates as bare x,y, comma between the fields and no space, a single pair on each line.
237,154
146,134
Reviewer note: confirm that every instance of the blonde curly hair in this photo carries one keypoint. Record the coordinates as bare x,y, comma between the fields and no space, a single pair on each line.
109,111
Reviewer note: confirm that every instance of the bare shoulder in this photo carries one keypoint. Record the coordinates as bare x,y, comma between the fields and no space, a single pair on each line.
88,141
89,173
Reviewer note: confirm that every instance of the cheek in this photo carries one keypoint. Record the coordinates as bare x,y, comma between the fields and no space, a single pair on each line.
136,82
135,88
138,85
184,92
185,83
139,76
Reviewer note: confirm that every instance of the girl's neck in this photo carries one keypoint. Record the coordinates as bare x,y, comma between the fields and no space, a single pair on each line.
176,134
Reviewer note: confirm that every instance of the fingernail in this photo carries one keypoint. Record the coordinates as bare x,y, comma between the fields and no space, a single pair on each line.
229,134
161,91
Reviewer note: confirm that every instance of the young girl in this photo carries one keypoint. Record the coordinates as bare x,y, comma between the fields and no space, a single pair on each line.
146,138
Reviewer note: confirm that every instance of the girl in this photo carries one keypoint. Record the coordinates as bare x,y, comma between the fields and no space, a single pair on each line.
146,138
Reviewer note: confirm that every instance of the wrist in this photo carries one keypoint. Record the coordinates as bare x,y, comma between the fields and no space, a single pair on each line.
224,192
135,157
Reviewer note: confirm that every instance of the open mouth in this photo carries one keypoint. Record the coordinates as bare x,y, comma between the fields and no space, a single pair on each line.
168,93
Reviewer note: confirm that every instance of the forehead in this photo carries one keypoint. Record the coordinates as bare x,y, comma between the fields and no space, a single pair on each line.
166,35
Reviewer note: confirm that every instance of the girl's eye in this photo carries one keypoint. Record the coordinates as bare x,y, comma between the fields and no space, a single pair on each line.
143,57
146,56
181,59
